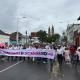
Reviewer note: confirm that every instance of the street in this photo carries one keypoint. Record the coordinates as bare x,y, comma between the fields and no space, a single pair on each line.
24,70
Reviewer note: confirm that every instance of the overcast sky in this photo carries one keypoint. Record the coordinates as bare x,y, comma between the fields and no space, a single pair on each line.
39,14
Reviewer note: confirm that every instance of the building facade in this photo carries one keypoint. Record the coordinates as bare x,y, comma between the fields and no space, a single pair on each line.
34,38
77,39
70,33
4,39
73,33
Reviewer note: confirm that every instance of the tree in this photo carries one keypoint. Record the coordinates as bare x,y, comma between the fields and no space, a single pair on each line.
42,36
56,36
53,38
49,39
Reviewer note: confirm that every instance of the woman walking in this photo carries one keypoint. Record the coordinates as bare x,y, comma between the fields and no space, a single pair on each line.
60,55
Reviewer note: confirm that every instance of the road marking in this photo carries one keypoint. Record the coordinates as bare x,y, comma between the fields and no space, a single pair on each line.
10,67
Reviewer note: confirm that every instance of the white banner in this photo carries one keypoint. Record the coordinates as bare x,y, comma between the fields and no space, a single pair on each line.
44,53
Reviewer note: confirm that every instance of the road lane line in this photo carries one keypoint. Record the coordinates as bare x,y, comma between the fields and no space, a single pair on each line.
10,67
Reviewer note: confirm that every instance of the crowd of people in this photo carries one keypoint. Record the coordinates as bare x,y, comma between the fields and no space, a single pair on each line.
68,54
63,53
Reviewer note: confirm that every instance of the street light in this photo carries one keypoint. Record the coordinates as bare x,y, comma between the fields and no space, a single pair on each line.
17,32
17,36
26,36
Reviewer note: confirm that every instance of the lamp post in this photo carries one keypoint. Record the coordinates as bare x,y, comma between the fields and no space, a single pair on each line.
17,36
26,36
17,33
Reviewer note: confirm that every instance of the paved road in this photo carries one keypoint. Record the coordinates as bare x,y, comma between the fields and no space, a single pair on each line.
36,71
24,71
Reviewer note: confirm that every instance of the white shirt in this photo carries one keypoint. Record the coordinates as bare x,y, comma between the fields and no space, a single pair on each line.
63,49
59,51
47,47
67,57
78,48
10,48
16,47
20,47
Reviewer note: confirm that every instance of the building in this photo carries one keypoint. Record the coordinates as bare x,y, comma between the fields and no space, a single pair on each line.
51,31
22,39
73,33
34,38
33,34
77,39
63,38
70,33
13,38
4,38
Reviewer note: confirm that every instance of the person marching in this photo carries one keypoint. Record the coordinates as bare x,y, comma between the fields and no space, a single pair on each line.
67,55
78,52
74,55
72,50
60,55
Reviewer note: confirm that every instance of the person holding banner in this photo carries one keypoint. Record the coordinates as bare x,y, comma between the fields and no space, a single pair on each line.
1,55
33,47
20,47
52,60
24,47
10,48
38,59
29,47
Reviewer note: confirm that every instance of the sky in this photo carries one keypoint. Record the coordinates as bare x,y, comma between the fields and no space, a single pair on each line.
35,15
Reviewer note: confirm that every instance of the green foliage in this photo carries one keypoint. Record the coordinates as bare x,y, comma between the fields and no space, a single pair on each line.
56,37
53,38
49,39
42,36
